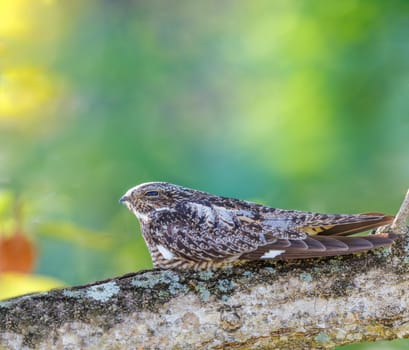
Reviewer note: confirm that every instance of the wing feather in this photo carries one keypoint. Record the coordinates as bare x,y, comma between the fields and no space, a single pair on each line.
204,236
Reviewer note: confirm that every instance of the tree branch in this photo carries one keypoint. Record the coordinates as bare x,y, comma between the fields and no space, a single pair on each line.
401,218
314,303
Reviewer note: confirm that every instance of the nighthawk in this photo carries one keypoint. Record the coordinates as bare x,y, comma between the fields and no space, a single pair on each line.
189,229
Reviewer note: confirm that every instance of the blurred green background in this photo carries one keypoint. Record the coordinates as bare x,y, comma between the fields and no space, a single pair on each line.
297,104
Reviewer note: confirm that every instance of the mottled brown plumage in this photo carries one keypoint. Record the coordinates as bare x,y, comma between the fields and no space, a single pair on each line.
186,228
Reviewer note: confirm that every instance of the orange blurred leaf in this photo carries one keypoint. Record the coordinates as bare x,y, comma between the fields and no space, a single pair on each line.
17,253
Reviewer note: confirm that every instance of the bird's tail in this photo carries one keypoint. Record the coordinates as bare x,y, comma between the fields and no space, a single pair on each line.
329,246
345,225
320,246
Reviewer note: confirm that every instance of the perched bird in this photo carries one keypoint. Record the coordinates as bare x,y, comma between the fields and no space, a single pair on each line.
189,229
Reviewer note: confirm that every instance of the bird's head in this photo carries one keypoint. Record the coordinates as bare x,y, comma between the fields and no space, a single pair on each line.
149,197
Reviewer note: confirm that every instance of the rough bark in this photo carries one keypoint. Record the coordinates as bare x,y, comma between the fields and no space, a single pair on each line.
313,304
318,303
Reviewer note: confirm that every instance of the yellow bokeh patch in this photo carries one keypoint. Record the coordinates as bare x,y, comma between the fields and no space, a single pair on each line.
14,284
21,18
13,18
24,92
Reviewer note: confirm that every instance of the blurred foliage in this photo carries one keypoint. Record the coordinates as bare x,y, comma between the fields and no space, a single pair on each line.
400,344
296,104
15,284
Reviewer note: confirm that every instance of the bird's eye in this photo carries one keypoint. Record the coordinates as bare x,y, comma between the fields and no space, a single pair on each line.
152,194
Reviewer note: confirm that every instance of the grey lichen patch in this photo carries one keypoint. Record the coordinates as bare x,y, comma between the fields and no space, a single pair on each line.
205,275
248,274
225,285
316,270
154,278
170,277
337,265
151,278
322,337
225,298
306,277
147,280
204,293
176,288
270,269
383,252
103,292
73,293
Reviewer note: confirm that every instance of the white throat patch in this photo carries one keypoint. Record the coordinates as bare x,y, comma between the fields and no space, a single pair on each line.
142,217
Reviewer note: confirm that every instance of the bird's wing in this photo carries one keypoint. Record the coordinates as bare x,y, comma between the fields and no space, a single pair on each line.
202,232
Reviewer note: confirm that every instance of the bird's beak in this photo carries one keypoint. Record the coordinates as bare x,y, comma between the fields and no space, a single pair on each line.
124,199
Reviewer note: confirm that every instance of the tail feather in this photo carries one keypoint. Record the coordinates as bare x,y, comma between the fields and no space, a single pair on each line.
363,222
319,246
331,244
315,245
